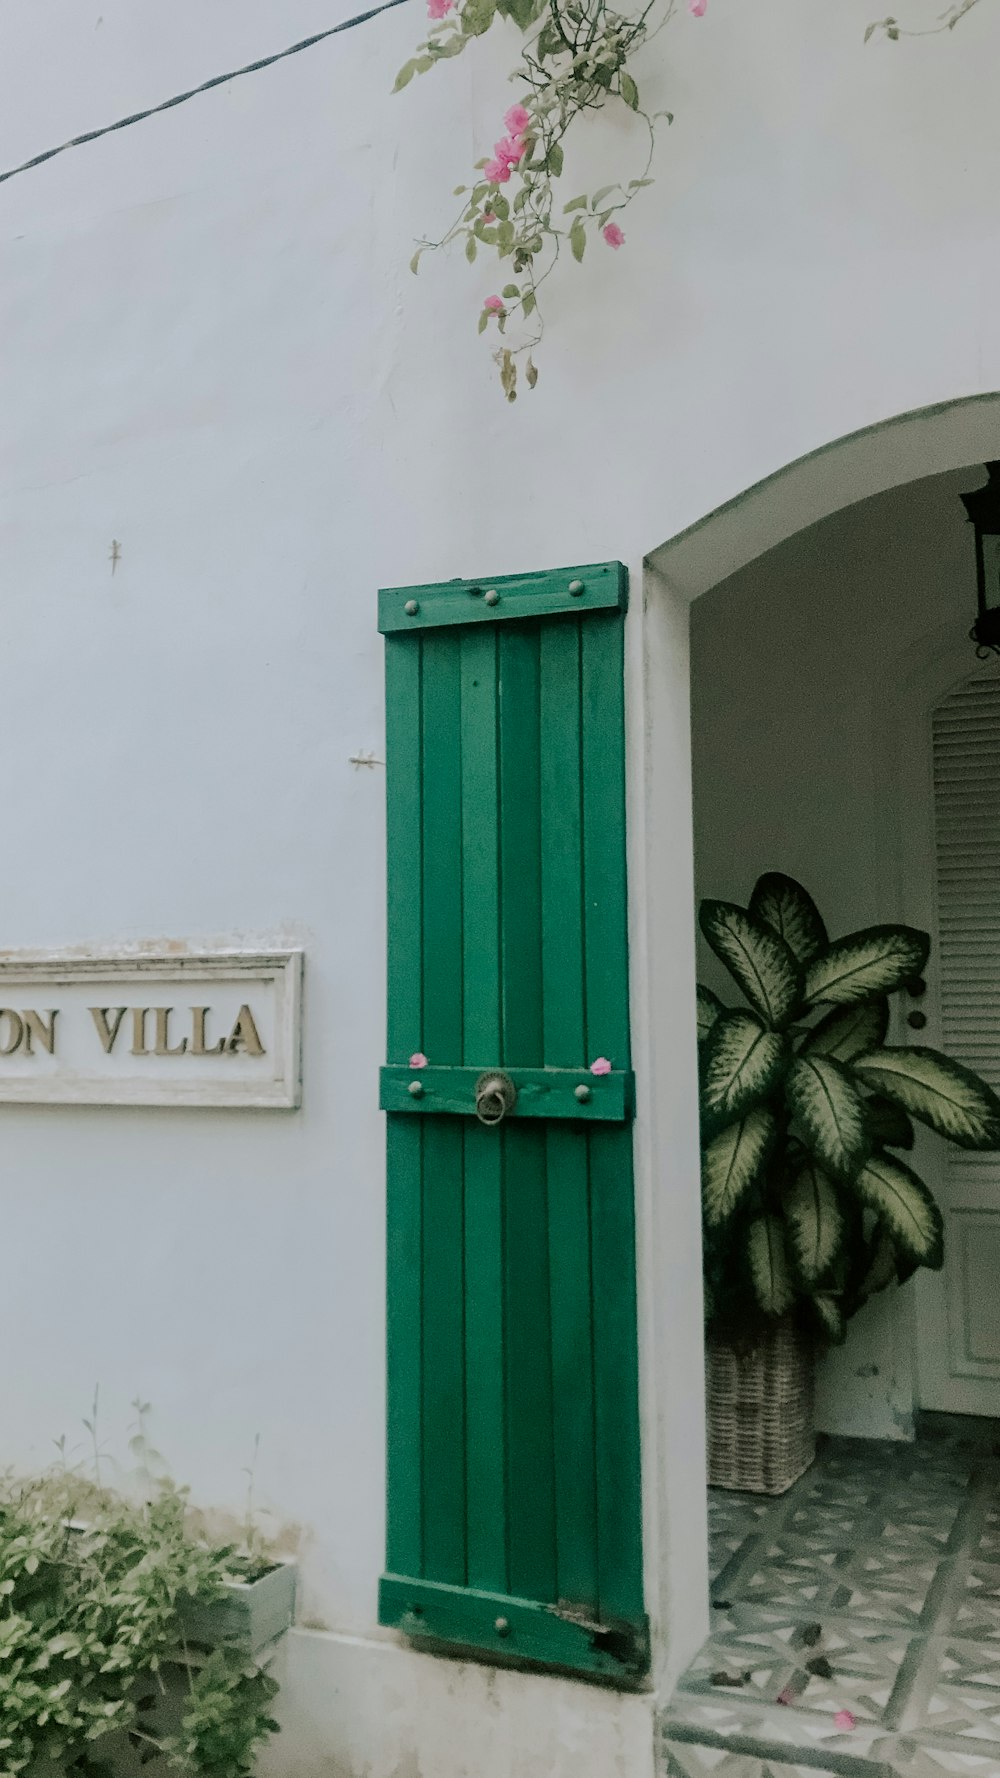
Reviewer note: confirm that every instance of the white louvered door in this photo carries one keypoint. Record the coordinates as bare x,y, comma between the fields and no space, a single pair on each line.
959,1309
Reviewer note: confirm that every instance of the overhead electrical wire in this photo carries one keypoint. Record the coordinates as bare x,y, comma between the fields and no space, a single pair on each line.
124,123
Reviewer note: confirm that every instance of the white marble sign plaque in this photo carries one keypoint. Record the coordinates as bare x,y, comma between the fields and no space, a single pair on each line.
217,1029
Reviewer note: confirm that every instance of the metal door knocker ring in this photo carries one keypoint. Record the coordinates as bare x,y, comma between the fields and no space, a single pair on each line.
496,1097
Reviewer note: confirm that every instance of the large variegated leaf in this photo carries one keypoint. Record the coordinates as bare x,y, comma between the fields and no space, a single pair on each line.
876,961
760,961
904,1206
938,1091
709,1008
733,1161
889,1123
772,1281
814,1223
882,1265
830,1316
743,1060
782,903
849,1031
831,1111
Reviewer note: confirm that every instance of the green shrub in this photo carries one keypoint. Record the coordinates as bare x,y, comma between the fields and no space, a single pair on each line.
91,1591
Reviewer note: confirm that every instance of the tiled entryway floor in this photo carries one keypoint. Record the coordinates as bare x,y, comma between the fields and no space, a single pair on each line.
873,1587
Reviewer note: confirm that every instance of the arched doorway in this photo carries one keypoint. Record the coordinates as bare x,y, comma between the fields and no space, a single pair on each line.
708,558
835,594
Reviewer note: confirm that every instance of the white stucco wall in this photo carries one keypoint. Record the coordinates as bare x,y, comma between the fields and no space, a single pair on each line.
211,350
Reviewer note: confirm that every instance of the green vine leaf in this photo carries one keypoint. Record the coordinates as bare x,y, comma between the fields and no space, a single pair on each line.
629,90
478,16
578,239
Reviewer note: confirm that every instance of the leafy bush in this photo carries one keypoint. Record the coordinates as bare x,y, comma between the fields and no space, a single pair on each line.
91,1616
808,1208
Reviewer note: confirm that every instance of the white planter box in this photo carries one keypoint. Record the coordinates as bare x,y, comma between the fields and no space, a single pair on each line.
251,1614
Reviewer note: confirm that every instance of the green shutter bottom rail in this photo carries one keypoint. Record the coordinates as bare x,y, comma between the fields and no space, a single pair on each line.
515,1629
541,1092
601,586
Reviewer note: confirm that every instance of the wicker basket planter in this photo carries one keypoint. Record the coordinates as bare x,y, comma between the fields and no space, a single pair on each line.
761,1432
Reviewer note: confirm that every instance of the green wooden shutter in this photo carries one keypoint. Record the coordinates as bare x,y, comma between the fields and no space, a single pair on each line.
513,1438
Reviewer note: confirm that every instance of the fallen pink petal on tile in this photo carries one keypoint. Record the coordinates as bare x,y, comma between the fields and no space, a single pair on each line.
844,1720
601,1066
417,1061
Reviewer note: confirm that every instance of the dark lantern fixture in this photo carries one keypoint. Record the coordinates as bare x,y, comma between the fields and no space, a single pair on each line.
983,508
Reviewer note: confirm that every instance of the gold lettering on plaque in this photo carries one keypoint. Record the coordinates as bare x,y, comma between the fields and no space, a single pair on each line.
244,1034
162,1046
35,1027
199,1044
139,1031
14,1035
107,1033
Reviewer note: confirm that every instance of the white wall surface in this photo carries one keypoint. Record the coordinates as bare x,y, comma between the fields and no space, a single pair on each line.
212,351
796,665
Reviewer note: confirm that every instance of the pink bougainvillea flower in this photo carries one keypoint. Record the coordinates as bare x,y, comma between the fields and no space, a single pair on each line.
844,1720
697,8
438,9
418,1060
494,305
488,216
785,1696
601,1066
613,235
497,172
510,150
516,120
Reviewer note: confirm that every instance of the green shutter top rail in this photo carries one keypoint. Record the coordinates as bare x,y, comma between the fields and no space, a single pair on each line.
603,586
541,1092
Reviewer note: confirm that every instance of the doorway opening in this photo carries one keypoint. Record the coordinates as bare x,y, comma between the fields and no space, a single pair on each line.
843,732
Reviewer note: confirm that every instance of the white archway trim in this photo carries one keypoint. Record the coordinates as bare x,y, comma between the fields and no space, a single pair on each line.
895,451
662,956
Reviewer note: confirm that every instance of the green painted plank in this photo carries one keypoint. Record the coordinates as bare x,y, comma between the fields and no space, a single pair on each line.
603,586
572,1365
486,1489
443,1373
480,848
441,1036
530,1458
443,1210
404,1440
616,1382
520,862
561,846
541,1092
530,1475
511,1628
603,779
484,1310
404,911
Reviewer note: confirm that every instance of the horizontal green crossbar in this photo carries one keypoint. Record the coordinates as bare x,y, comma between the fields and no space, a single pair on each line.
603,586
515,1628
541,1092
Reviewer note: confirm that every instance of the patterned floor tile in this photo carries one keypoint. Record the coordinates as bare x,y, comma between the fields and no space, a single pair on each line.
764,1651
872,1588
685,1760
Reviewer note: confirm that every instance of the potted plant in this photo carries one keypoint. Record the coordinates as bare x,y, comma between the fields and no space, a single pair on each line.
808,1207
126,1635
